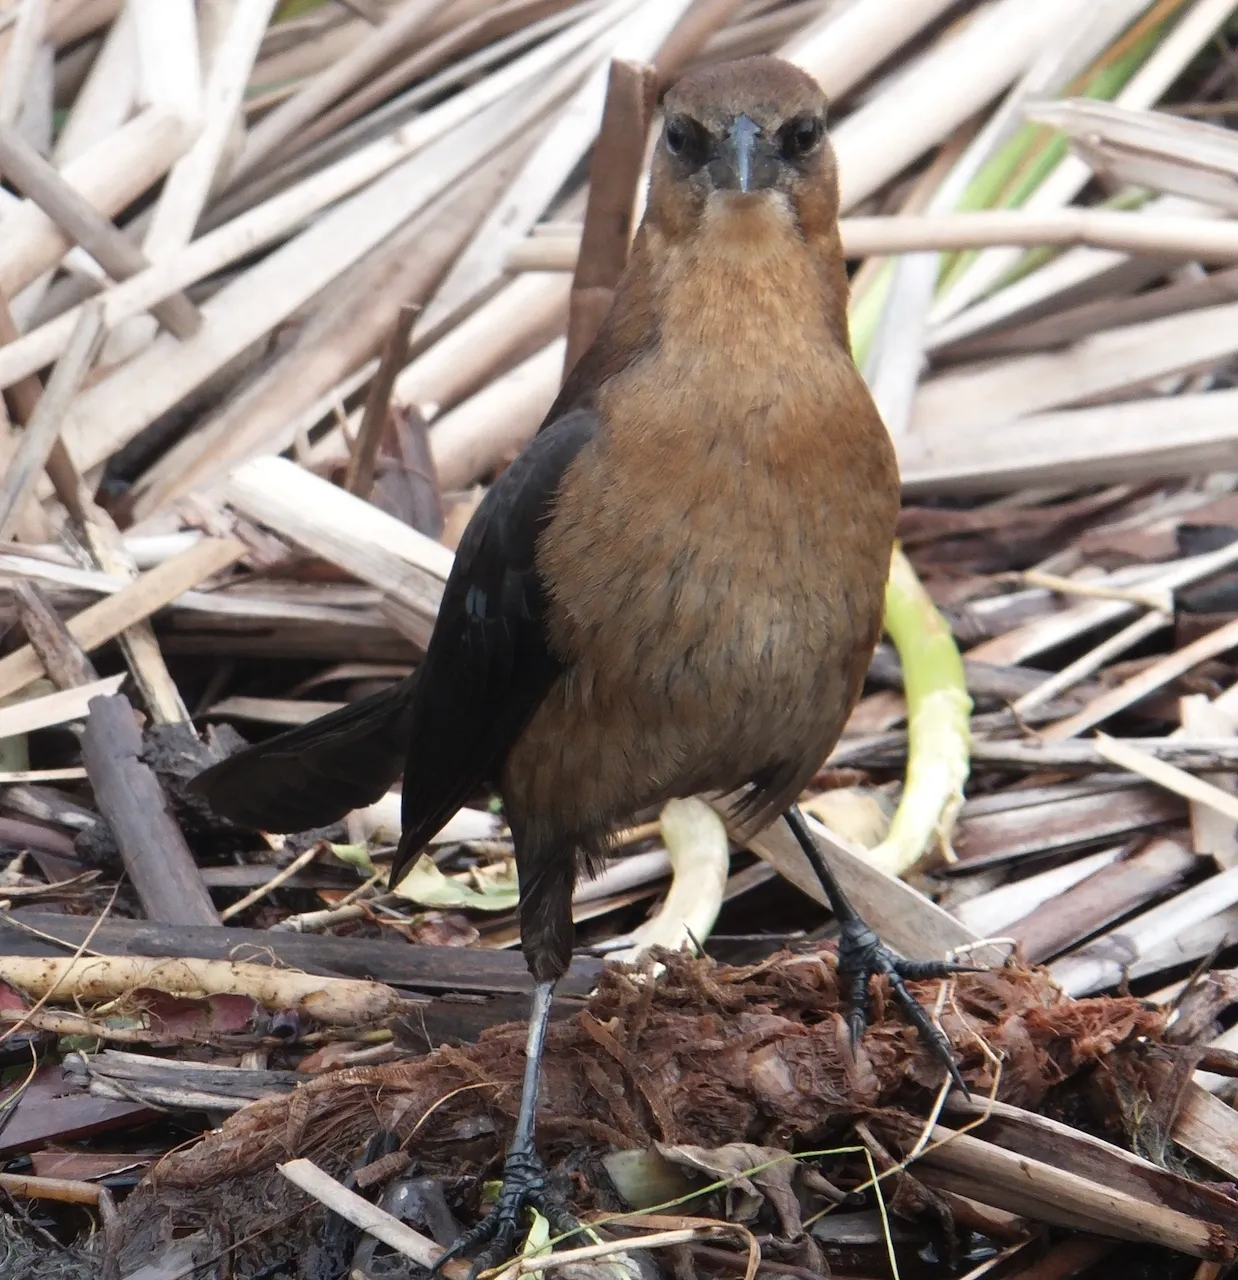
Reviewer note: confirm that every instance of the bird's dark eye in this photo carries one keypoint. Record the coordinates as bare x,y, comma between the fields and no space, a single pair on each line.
801,136
676,137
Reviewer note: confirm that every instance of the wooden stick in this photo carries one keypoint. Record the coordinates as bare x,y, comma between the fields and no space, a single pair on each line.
104,620
78,218
45,423
370,1218
62,657
380,46
360,475
614,174
156,857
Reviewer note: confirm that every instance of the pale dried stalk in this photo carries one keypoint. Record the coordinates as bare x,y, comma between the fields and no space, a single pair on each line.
1179,781
105,101
113,411
963,72
637,38
369,1217
185,192
1194,239
849,41
380,44
1076,274
169,69
1092,661
1110,444
44,426
107,618
1096,966
17,66
282,876
491,427
1103,364
1026,642
54,708
78,218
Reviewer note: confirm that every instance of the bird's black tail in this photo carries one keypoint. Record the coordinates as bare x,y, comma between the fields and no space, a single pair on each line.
313,775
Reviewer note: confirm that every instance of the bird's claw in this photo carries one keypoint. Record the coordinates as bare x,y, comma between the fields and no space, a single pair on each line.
525,1183
861,955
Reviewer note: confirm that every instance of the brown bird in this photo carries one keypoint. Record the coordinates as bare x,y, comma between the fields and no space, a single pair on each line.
676,587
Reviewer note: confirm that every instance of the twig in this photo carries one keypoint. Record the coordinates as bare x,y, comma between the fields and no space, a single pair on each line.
65,1190
361,465
1082,667
302,860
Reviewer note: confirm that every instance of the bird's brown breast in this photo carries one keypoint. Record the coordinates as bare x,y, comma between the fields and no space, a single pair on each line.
717,556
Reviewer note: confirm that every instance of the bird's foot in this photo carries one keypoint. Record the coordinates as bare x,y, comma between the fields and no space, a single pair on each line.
861,955
525,1183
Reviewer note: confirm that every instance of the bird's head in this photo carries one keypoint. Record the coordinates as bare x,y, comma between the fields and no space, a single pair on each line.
740,134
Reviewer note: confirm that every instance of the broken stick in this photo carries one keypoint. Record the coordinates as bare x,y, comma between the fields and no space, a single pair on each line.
156,857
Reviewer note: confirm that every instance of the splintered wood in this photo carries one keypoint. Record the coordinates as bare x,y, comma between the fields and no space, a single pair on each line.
284,285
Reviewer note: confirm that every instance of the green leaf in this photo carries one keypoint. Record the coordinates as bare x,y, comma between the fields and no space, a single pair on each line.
426,885
356,855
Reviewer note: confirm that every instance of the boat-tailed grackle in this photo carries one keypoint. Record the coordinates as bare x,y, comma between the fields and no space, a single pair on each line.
675,588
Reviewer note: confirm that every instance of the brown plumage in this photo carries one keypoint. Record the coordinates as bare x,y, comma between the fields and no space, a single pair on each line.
678,585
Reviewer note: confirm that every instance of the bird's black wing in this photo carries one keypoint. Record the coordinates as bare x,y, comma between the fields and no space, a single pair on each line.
489,664
451,723
313,775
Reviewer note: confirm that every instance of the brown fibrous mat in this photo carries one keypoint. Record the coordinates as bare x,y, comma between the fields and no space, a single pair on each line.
706,1054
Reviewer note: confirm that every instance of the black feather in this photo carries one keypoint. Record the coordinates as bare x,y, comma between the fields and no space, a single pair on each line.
451,724
489,663
313,775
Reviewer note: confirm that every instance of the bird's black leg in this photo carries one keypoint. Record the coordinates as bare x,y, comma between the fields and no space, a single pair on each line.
525,1181
861,954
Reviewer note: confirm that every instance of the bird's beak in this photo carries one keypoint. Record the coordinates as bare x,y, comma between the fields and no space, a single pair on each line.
747,161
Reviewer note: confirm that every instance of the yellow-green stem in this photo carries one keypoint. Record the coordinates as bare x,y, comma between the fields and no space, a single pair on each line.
938,720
